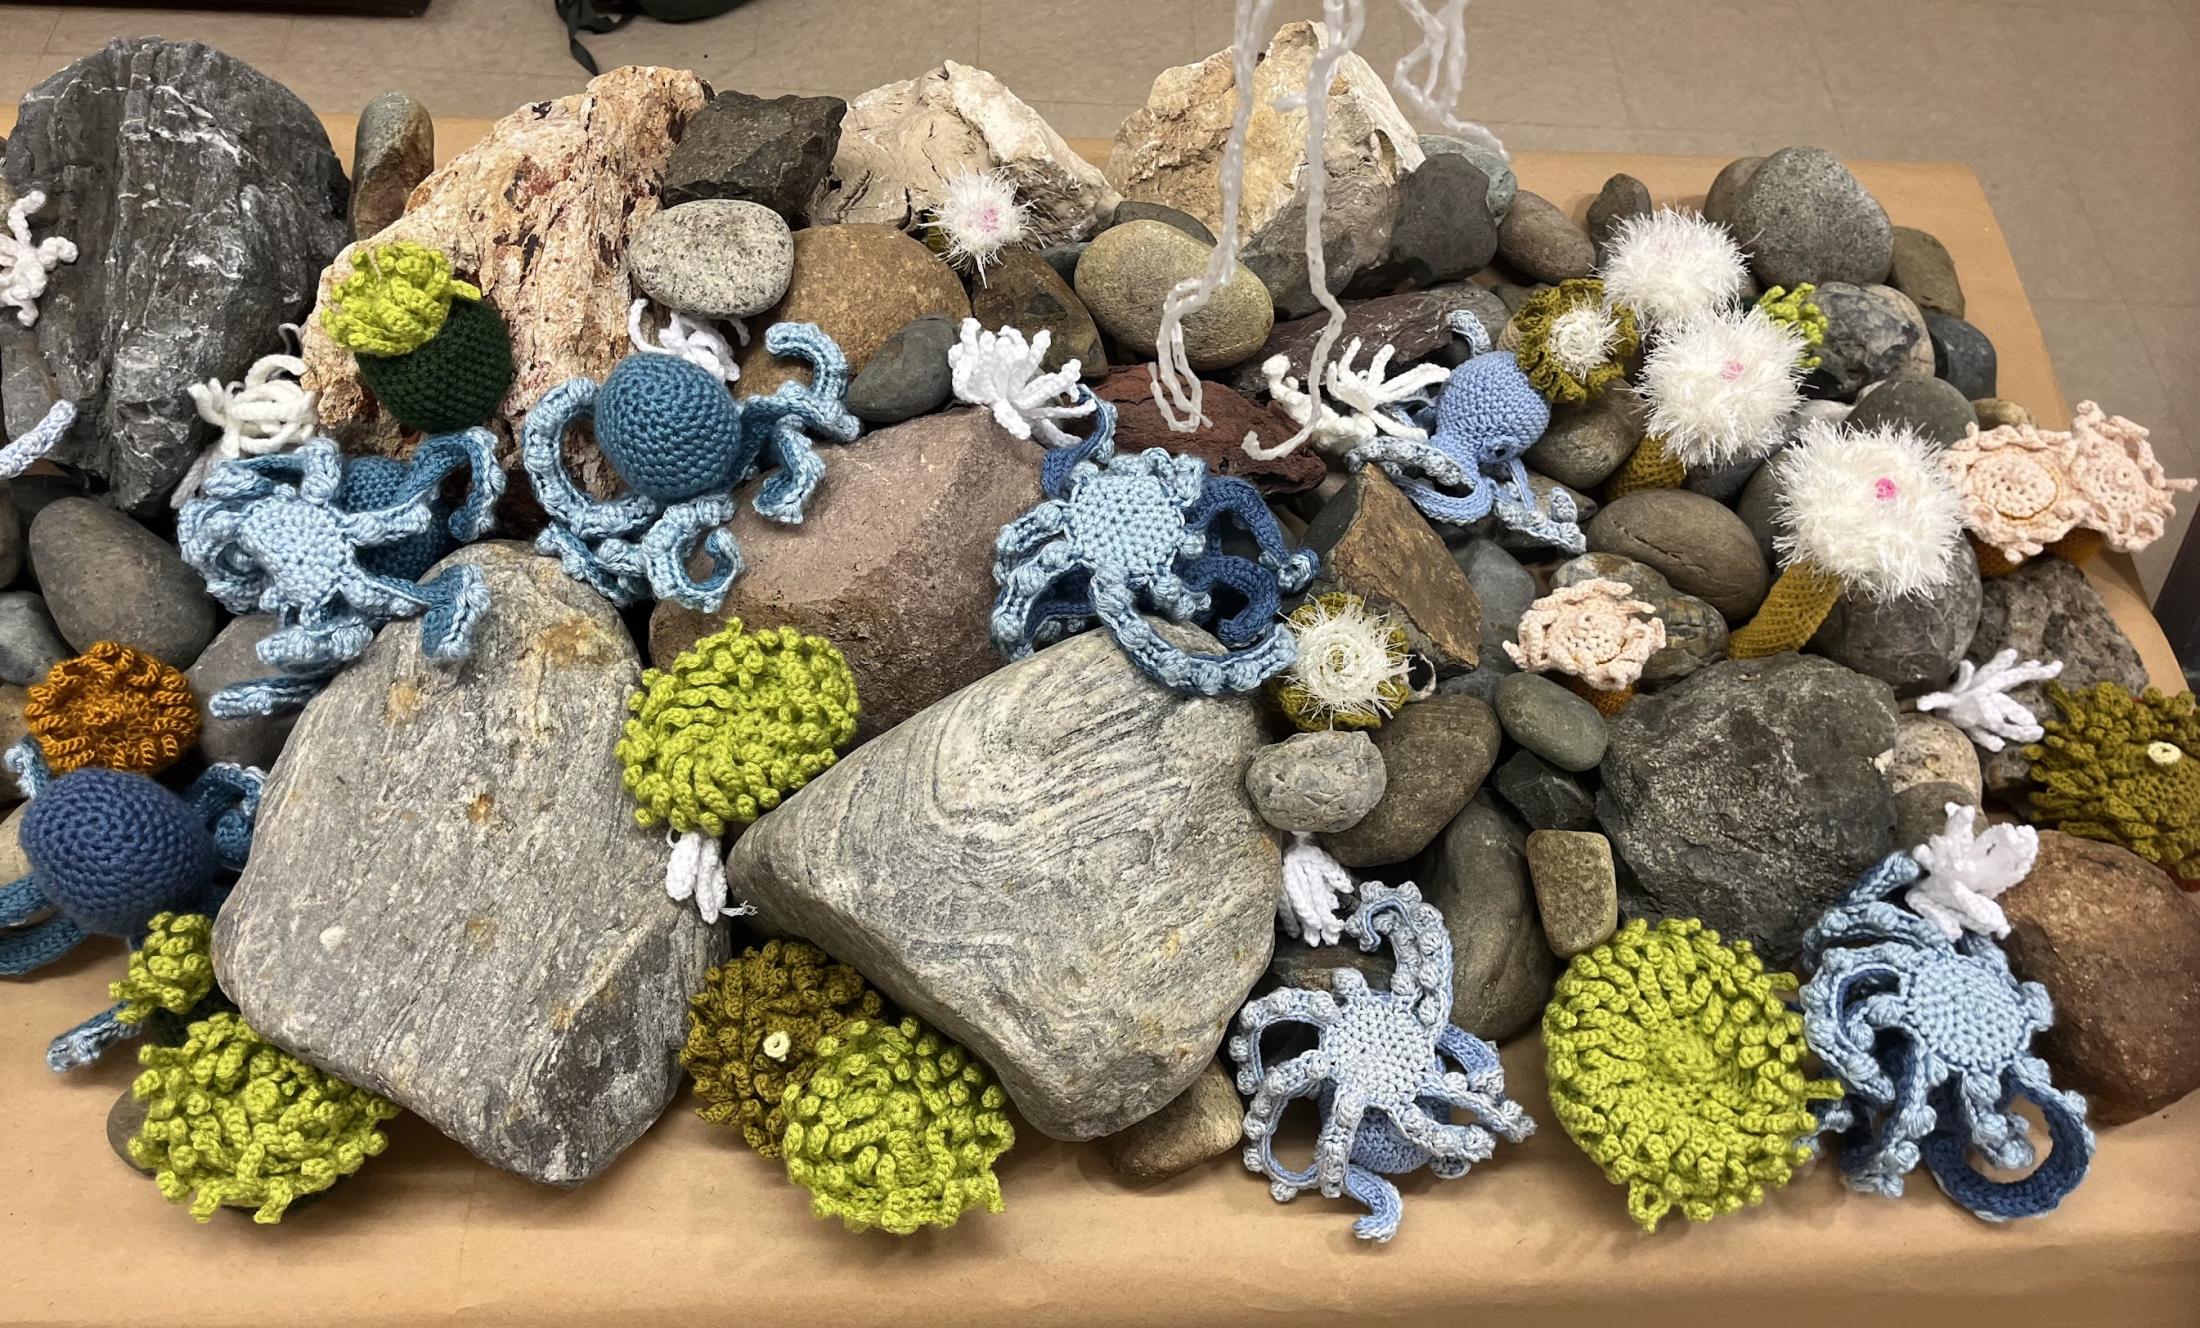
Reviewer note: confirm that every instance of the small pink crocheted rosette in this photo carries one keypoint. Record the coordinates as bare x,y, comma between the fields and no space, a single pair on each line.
2126,489
1593,630
2017,487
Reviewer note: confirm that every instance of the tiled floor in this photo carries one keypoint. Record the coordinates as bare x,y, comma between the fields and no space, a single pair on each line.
2081,116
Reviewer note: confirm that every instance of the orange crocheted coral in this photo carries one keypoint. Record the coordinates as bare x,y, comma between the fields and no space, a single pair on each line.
113,706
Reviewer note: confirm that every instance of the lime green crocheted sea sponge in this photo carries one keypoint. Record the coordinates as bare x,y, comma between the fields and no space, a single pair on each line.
1571,343
172,971
1798,310
740,720
2124,769
753,1032
395,300
1675,1064
231,1121
897,1128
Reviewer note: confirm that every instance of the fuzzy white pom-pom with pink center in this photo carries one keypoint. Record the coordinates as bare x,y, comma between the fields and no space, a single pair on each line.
1672,266
979,216
1721,387
1871,507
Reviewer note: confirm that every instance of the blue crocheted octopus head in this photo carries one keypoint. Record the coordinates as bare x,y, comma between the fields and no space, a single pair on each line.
1490,403
669,428
110,849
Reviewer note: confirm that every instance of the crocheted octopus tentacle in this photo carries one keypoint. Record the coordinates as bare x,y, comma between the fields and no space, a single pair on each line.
259,697
1186,670
28,949
613,568
86,1042
20,901
227,798
1024,590
542,443
2071,1144
458,601
1228,496
790,415
667,544
438,457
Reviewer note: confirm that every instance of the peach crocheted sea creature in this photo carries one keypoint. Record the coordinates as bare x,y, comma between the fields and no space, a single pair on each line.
113,706
1594,630
2023,488
2116,472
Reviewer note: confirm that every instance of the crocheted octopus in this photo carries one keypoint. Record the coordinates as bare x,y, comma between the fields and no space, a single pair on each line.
682,445
1116,532
1931,1039
335,549
1388,1069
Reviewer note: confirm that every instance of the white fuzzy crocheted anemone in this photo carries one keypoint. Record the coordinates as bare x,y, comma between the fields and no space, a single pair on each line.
979,216
1872,508
1670,267
1720,387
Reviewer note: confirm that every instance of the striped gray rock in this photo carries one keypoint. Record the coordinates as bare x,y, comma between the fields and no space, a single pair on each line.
1056,866
449,901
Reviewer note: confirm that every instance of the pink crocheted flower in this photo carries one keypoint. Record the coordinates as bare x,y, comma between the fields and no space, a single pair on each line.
1594,630
2115,470
2016,487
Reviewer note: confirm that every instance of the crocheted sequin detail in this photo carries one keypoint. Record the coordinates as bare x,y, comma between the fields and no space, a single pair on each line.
2123,769
740,720
897,1128
1677,1066
753,1031
172,970
1352,666
1571,344
113,706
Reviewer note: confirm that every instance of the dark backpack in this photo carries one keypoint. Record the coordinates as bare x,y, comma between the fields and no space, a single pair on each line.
584,16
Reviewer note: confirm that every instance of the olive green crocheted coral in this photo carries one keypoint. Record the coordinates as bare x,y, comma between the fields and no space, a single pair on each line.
1572,344
1798,310
1353,668
172,971
897,1128
753,1032
2124,769
1676,1065
232,1121
740,720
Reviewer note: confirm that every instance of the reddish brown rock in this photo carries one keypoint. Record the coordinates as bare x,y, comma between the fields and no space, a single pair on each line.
2117,945
1220,441
1374,544
893,563
1023,292
1411,321
859,283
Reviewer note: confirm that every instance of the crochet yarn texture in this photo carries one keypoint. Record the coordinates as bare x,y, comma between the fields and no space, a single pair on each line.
1650,466
1572,344
111,850
1676,1065
2123,769
1352,667
233,1121
432,352
1797,310
171,971
113,706
896,1128
753,1031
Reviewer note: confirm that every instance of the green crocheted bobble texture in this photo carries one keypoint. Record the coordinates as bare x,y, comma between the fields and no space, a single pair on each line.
753,1031
737,723
898,1128
394,301
234,1122
2123,769
172,971
1798,310
1675,1064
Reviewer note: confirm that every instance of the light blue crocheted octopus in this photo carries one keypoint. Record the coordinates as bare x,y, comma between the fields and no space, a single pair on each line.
1487,416
335,549
1932,1040
1119,532
682,444
1388,1069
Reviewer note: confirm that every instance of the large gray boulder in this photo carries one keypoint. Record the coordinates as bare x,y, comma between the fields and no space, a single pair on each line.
2047,610
1057,866
449,901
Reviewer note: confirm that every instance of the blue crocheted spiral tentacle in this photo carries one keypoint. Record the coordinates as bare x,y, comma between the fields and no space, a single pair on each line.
1184,670
1463,323
2071,1143
667,545
542,448
280,694
1436,505
1227,496
613,568
787,421
440,455
458,602
1253,583
27,763
1096,447
28,949
83,1044
1385,1209
21,900
807,342
226,797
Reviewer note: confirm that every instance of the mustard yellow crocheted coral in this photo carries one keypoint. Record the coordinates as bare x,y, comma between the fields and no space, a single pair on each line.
2124,769
1352,669
394,301
740,720
1798,310
173,970
1572,344
897,1128
753,1031
113,706
1676,1065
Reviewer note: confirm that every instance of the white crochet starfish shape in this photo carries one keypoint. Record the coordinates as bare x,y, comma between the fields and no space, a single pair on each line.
1978,702
1001,371
1966,871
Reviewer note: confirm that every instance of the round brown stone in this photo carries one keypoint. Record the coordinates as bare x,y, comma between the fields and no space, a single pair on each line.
860,284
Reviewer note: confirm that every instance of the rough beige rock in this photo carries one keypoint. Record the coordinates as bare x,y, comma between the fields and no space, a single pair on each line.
901,142
1170,150
860,284
538,214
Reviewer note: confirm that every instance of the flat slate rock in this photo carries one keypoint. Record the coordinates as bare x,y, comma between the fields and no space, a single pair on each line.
1057,867
449,901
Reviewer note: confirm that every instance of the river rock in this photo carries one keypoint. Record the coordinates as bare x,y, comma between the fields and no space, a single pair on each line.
1589,440
1206,1120
1127,274
1505,590
1493,165
893,562
908,374
1932,765
1550,721
981,864
1920,361
1993,412
1803,217
1697,544
901,143
1321,783
190,255
2047,610
11,533
392,151
714,258
1138,209
1477,877
1226,417
1868,338
860,284
2116,944
1444,230
1314,967
1911,644
233,658
1695,633
438,909
1411,321
1923,271
107,578
1750,795
1170,150
1938,412
537,214
773,151
1435,755
1541,241
1546,797
1576,889
1022,292
1759,509
30,644
1964,356
1622,196
1374,544
1726,189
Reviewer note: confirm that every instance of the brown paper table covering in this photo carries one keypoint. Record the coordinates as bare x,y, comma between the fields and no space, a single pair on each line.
690,1227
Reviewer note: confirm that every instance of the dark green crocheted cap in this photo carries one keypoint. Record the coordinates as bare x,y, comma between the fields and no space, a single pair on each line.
455,380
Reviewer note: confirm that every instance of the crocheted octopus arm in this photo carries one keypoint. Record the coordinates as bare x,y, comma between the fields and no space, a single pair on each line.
789,417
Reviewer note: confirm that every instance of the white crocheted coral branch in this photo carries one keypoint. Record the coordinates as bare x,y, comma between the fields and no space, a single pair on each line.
1313,883
1001,371
693,340
24,265
696,874
269,411
1367,393
1966,870
1978,701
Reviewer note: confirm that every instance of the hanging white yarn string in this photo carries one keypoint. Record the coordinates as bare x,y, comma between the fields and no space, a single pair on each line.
269,411
1431,77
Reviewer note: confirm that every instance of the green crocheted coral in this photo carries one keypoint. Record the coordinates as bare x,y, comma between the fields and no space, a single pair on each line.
753,1032
428,347
232,1121
740,720
395,300
897,1128
2125,769
1676,1065
1570,343
1798,310
172,971
1353,666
